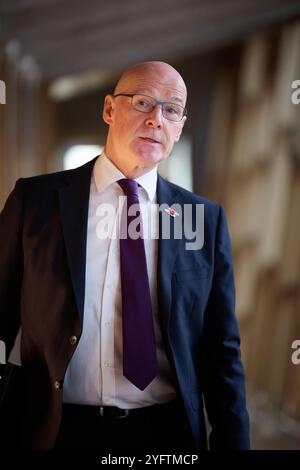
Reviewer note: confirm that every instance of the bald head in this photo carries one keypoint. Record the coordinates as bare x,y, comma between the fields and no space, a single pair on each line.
163,74
140,137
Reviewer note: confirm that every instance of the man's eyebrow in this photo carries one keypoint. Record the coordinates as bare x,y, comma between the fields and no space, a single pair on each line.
146,92
175,98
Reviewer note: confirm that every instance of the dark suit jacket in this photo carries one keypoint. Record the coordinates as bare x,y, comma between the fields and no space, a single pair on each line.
43,230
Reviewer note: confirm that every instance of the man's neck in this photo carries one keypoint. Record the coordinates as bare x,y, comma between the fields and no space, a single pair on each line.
131,172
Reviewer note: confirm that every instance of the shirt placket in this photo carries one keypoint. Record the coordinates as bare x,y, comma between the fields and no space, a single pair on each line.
109,310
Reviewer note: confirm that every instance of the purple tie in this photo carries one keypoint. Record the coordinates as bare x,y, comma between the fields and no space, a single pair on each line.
139,347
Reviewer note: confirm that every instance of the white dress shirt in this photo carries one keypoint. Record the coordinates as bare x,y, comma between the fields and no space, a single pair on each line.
94,375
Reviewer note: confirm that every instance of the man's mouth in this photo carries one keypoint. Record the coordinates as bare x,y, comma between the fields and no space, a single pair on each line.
148,139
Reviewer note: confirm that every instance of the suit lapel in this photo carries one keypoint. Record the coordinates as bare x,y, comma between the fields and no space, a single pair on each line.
74,203
167,248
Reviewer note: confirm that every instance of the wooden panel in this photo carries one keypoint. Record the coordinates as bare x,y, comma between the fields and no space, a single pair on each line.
246,272
290,268
254,67
290,398
280,347
259,363
244,138
288,70
217,154
277,209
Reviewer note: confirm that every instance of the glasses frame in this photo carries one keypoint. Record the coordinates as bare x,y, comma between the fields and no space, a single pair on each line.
162,103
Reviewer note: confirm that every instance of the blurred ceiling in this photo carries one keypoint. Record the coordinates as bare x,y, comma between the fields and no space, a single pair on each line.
68,36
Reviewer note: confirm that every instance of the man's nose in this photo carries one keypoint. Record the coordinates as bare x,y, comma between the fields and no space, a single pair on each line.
154,119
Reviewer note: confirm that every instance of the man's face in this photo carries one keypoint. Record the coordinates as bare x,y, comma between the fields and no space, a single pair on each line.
138,140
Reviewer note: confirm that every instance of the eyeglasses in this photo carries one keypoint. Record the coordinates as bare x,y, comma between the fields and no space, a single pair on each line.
146,104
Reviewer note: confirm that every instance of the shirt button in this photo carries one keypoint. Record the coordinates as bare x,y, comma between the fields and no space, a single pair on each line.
107,323
56,384
106,363
73,340
109,285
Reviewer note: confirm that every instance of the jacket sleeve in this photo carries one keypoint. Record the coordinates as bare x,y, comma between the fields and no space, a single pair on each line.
223,374
11,267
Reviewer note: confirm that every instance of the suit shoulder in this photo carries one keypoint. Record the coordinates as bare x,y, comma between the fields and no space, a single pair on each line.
53,180
43,179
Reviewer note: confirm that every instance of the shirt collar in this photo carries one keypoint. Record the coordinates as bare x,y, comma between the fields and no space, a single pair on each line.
106,173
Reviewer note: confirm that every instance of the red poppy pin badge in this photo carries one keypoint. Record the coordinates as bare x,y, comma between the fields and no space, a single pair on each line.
171,212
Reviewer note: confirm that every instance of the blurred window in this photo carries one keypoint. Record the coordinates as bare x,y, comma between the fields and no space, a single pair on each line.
78,155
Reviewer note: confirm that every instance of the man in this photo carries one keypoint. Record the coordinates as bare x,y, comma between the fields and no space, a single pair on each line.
93,376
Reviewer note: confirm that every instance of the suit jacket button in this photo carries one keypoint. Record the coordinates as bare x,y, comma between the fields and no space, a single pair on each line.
73,340
56,384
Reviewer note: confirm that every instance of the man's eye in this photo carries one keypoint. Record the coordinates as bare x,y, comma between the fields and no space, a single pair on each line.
144,103
172,110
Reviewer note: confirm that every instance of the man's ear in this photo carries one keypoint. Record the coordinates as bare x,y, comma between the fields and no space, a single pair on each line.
178,134
108,109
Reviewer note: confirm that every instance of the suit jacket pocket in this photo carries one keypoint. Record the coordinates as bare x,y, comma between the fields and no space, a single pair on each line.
191,274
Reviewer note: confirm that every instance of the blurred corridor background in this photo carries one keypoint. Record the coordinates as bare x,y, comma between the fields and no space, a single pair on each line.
240,146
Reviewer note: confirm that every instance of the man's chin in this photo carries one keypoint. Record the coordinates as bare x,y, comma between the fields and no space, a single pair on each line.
150,158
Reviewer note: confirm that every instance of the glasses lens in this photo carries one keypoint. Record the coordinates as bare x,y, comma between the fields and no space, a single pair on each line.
172,111
143,103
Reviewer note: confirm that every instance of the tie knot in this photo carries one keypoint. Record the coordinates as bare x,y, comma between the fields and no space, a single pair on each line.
130,187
